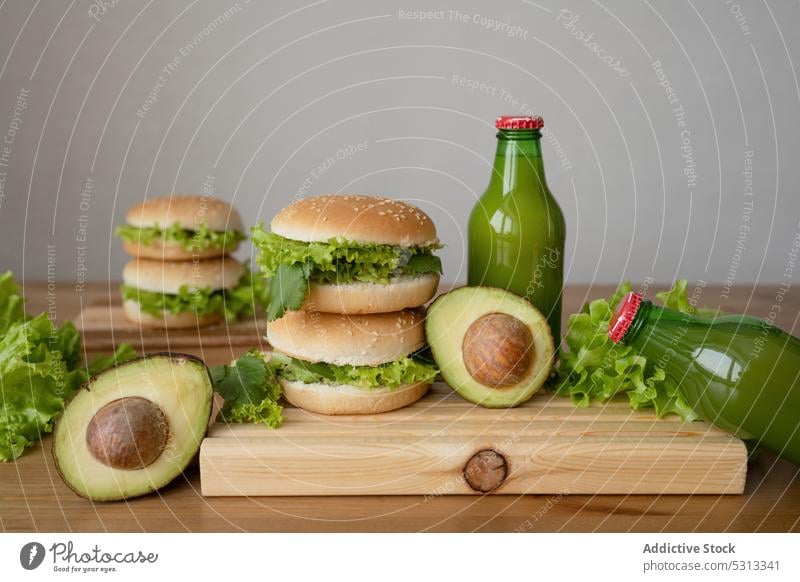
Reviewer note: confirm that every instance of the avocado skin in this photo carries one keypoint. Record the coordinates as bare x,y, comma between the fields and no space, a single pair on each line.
174,357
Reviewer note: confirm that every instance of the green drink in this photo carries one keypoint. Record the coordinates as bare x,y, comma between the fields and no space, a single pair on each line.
516,229
736,371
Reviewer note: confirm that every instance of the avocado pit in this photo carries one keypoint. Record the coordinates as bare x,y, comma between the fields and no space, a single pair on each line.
492,347
128,433
497,350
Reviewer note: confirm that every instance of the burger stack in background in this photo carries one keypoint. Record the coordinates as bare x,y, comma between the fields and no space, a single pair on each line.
180,275
349,275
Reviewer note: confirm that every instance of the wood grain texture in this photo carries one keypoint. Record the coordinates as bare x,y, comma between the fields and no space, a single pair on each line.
33,498
103,326
424,449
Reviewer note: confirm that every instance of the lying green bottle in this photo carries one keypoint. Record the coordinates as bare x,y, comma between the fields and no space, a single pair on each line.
736,371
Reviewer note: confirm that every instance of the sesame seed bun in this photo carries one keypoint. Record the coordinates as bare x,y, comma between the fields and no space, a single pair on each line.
169,277
344,399
356,340
364,219
187,211
359,298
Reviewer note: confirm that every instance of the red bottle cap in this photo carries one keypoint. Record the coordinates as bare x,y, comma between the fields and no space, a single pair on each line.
623,318
517,122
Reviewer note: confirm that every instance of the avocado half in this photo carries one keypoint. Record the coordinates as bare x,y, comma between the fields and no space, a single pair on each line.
135,427
493,347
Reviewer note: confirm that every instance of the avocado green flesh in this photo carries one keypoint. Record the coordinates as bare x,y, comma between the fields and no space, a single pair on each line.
449,318
179,385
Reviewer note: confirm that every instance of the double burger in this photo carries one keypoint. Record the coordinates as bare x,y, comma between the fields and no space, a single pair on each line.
348,275
181,275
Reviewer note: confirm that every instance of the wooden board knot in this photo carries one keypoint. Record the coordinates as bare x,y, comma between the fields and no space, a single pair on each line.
486,470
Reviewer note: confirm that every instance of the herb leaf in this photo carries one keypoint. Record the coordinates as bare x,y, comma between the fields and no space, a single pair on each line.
419,264
250,390
288,288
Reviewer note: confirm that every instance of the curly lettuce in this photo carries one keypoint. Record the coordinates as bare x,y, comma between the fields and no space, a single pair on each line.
200,239
293,264
342,261
251,391
407,370
40,368
235,303
594,368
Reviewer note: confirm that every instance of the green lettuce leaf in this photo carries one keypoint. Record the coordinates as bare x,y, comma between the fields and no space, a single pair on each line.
407,370
123,353
593,368
240,301
677,298
77,377
291,265
197,240
33,383
40,368
12,309
342,261
250,390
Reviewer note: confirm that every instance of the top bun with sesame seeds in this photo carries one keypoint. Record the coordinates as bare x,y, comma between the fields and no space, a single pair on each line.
357,218
358,255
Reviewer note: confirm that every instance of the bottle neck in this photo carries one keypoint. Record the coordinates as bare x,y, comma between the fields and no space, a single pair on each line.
656,331
518,159
640,321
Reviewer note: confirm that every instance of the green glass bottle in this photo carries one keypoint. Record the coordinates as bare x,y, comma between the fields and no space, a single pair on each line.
737,372
516,230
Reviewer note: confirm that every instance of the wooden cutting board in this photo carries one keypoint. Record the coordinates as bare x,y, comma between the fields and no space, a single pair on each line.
441,444
445,445
104,326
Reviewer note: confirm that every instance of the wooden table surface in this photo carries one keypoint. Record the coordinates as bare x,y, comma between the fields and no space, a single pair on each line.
33,498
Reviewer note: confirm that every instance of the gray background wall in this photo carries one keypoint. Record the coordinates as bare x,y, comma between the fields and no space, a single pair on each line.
264,92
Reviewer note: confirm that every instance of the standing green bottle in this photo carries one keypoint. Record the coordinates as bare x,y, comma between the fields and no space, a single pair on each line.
516,230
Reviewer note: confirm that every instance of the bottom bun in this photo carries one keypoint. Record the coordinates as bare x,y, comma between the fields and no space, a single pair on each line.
170,251
360,298
169,320
346,399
